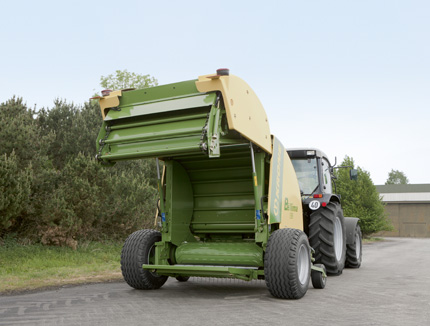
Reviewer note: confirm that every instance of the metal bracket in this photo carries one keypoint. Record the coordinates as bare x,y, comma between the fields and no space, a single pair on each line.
214,129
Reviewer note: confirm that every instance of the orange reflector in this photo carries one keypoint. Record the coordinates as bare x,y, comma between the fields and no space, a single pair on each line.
318,196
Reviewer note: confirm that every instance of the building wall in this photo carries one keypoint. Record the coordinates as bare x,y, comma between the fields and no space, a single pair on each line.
408,219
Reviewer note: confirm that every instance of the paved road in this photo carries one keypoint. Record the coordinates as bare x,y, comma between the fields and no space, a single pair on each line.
391,288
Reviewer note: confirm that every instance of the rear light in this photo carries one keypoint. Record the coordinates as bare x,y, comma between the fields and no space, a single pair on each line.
318,196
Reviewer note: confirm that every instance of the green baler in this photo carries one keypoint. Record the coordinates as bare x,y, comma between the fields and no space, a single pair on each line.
230,204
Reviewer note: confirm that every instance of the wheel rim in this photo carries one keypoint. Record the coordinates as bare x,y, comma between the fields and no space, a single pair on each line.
151,258
357,246
338,238
303,264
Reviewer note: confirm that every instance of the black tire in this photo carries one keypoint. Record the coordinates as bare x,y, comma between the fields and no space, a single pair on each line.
138,249
354,251
325,227
318,279
287,264
182,278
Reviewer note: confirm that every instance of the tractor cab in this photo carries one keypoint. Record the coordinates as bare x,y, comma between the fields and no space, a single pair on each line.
314,173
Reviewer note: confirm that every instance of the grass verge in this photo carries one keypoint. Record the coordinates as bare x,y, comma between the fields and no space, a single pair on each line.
29,267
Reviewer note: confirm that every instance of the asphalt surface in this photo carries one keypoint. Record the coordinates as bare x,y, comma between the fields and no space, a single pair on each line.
391,288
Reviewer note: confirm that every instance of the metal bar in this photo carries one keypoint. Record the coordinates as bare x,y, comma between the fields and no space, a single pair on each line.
156,135
245,273
255,186
252,158
222,195
160,192
319,269
158,121
219,181
215,226
224,208
152,153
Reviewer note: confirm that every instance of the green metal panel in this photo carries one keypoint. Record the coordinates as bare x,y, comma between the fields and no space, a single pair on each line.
175,90
223,193
179,204
220,253
277,181
163,147
161,106
157,131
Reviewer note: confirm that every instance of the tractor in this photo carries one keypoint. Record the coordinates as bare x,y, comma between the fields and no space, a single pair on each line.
336,239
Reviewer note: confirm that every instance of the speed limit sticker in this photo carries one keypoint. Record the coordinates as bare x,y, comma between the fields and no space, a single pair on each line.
314,205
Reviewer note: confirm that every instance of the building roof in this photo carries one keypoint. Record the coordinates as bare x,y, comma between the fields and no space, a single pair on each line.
423,187
405,193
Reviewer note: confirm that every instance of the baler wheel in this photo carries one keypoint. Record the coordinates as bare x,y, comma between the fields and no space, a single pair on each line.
353,251
139,249
182,278
327,236
318,279
287,264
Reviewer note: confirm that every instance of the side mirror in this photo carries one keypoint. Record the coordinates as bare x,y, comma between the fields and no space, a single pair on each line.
353,174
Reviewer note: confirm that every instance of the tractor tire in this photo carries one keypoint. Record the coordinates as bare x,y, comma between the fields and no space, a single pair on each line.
327,236
139,249
182,278
353,251
318,279
287,264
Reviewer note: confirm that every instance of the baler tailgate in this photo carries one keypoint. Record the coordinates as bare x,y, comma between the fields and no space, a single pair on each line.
155,128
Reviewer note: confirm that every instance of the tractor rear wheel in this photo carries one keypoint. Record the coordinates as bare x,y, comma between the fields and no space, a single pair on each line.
287,264
139,249
353,251
327,236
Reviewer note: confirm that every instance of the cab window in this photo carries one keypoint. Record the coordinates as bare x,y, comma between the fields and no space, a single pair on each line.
327,188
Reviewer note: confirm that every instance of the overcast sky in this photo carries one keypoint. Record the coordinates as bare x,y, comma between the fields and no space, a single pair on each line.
348,77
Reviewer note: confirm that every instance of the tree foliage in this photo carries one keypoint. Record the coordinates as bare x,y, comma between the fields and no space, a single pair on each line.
51,188
123,79
15,185
20,133
74,130
396,177
361,199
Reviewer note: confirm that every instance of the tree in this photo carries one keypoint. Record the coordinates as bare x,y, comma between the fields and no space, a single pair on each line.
360,199
396,177
75,129
52,190
20,133
124,79
14,190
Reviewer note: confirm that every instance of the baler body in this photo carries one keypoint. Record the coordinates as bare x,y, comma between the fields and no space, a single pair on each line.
226,184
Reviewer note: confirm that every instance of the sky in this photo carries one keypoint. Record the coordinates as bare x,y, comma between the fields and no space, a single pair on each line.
351,78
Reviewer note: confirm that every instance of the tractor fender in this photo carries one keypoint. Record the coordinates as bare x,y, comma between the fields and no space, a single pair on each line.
350,224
